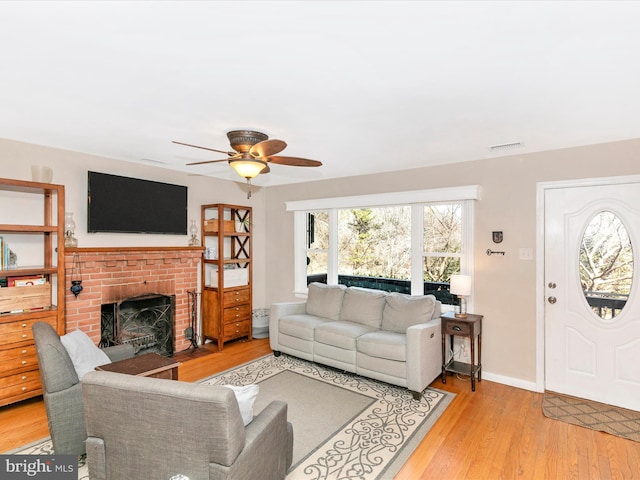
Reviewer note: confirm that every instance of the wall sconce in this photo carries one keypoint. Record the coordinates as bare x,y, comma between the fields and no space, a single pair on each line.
69,230
461,286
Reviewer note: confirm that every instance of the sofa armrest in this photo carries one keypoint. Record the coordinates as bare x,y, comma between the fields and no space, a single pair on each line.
424,354
268,449
119,352
279,310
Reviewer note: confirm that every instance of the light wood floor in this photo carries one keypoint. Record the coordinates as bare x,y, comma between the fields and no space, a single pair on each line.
496,432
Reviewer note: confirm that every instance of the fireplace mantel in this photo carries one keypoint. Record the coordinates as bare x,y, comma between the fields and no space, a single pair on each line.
128,249
109,273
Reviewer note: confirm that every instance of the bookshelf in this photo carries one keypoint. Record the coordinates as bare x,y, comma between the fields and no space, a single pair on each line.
32,280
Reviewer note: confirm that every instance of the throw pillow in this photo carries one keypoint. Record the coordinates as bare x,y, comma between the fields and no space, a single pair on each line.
325,300
246,396
85,355
364,306
402,311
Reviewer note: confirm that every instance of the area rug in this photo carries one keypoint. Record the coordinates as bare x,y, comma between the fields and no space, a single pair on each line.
345,426
596,416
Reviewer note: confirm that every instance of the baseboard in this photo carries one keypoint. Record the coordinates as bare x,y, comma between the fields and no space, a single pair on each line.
510,381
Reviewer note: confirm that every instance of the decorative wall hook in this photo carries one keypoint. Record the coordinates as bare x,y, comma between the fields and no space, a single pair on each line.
492,252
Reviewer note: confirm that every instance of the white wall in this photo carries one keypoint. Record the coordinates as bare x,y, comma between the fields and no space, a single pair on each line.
505,287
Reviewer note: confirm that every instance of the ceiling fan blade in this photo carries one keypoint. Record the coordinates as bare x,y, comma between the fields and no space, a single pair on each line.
294,161
209,161
204,148
267,148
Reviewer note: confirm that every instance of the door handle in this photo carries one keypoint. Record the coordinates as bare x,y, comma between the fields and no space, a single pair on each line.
552,300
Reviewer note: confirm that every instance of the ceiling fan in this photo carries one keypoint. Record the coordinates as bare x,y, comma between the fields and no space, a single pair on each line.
253,154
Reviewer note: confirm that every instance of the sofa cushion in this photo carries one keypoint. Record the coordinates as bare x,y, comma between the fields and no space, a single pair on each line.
341,334
84,354
301,325
363,305
384,344
401,311
325,300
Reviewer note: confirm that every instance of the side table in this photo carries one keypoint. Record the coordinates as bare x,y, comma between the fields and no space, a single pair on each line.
471,328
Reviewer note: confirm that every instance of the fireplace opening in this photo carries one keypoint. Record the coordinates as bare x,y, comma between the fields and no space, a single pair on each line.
146,322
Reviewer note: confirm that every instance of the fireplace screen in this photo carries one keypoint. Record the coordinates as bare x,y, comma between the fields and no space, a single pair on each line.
146,322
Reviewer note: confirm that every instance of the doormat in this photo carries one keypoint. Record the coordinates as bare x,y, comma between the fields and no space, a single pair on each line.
596,416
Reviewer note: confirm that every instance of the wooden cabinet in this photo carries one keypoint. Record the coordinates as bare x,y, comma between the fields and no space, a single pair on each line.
31,226
226,273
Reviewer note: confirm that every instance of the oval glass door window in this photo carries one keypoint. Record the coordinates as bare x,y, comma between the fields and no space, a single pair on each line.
606,265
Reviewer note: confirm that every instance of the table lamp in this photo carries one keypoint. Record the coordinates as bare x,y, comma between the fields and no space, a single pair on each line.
461,286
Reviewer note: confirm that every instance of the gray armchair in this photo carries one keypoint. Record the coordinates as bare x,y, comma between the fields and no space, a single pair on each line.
149,428
61,389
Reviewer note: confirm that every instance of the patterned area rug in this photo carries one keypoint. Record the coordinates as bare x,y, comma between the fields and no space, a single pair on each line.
597,416
372,442
345,426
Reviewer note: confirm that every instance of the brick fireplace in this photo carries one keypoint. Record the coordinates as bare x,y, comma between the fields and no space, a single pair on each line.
113,274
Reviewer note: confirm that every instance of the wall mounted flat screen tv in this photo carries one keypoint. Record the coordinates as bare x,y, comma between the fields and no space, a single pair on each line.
131,205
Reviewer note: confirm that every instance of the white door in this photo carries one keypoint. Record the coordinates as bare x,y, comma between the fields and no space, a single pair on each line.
586,355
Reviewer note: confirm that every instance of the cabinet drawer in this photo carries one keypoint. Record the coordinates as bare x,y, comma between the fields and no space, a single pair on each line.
12,332
236,329
25,379
18,388
457,328
239,312
235,297
23,358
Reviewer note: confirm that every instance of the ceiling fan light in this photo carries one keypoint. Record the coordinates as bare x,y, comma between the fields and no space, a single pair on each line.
248,168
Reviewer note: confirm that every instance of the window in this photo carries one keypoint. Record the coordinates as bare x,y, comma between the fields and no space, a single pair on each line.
409,242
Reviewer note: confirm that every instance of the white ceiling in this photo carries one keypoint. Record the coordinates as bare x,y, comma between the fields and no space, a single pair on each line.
363,86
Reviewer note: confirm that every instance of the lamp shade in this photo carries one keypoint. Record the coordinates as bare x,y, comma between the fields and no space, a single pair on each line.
460,285
248,168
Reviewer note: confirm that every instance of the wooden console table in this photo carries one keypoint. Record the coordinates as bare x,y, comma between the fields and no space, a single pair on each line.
145,365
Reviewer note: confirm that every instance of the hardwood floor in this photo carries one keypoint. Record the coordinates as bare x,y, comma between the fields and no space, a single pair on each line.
496,432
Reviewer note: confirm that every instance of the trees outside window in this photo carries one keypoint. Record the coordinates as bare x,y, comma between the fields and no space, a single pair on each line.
409,242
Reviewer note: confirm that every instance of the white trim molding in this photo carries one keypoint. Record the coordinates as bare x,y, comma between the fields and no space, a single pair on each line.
451,194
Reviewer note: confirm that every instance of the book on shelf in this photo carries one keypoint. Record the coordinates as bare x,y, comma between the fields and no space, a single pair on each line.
26,281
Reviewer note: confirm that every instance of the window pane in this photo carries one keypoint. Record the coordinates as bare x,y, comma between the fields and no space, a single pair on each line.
316,267
443,228
606,265
317,246
440,269
318,230
373,244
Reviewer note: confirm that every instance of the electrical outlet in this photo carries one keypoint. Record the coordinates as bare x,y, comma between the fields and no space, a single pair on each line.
188,333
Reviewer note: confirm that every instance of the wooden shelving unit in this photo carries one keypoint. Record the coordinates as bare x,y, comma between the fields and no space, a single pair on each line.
226,273
22,306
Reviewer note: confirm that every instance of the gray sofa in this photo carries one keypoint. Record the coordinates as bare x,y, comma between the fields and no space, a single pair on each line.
140,427
390,337
61,389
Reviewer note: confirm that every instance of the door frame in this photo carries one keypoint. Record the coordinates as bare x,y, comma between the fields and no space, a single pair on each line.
541,189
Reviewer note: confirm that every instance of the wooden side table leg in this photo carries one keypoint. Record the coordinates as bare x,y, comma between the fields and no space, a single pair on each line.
444,358
480,357
472,361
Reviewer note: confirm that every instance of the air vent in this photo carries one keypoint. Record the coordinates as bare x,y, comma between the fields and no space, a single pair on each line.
506,146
